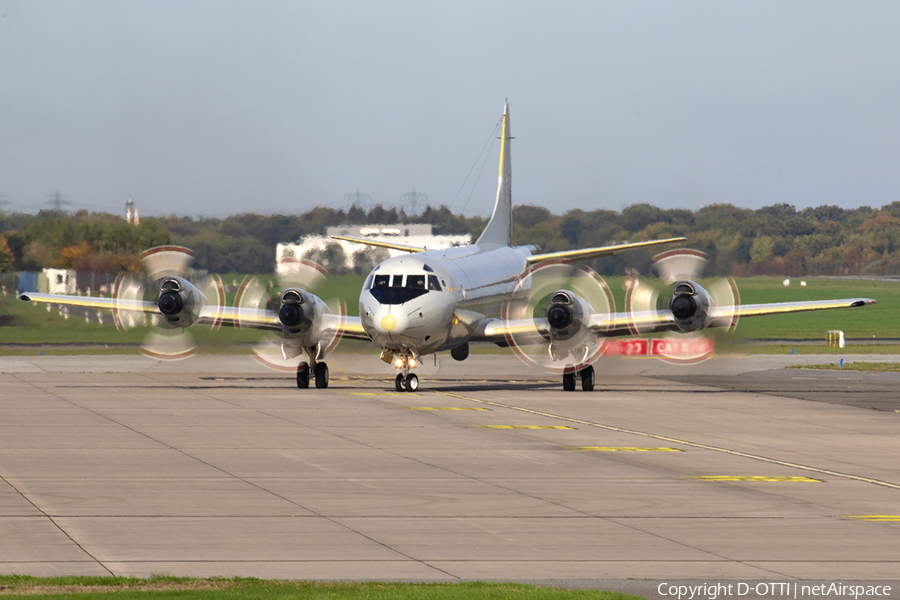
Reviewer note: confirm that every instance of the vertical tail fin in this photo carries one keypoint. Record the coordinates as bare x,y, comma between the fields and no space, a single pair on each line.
499,229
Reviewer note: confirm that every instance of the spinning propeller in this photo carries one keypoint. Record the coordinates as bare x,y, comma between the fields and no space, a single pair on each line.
550,319
300,317
178,301
690,304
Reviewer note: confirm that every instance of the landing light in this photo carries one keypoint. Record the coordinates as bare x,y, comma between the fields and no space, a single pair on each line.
412,362
398,363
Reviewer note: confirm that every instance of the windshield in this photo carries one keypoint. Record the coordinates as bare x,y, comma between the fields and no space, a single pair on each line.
398,288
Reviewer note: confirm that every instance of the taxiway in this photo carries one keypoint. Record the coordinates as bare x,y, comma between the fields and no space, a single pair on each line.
216,467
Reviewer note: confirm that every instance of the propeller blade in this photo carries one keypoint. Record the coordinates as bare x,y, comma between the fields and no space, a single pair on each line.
173,344
724,293
127,289
166,261
251,295
676,265
299,273
214,291
639,297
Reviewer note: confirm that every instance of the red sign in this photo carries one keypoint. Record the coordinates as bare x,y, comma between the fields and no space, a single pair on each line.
674,347
632,347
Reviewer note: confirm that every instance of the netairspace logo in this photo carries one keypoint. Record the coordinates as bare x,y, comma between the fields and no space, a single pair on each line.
776,590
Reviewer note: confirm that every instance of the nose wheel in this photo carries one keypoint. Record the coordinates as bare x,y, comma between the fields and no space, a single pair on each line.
406,383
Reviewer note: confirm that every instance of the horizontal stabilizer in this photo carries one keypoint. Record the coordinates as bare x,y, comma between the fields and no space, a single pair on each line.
590,253
388,245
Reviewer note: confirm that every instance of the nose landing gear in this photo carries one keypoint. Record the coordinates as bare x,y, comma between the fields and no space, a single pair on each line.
404,360
406,383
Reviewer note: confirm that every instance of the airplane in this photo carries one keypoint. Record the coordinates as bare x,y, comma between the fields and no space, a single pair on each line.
435,300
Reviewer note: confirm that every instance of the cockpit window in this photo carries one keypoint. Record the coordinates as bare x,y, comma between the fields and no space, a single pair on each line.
392,289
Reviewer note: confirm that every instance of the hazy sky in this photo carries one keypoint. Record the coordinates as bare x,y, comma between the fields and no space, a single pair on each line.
215,108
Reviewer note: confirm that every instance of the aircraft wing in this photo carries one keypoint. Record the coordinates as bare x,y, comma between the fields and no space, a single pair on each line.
622,323
499,331
91,302
590,253
252,318
260,318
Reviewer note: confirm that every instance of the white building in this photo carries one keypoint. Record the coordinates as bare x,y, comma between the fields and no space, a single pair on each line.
323,249
60,281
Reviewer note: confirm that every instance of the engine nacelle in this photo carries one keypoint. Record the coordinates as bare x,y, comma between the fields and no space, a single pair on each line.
179,301
690,306
296,312
565,314
568,315
300,314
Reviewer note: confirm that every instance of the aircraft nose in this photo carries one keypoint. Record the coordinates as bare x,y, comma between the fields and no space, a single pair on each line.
387,323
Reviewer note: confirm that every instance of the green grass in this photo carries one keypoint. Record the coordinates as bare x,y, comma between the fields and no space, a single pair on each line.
874,367
157,587
738,348
34,325
878,321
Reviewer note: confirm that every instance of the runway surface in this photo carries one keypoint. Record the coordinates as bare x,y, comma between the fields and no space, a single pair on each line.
217,467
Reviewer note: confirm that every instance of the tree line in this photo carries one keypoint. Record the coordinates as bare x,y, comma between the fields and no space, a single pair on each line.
774,240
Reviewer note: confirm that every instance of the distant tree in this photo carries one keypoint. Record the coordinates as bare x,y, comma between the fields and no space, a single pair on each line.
37,256
7,260
529,216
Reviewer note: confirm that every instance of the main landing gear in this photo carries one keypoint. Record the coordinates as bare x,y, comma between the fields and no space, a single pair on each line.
319,372
587,379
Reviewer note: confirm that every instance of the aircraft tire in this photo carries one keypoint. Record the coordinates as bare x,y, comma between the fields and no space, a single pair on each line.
412,383
569,382
587,378
399,383
321,375
303,376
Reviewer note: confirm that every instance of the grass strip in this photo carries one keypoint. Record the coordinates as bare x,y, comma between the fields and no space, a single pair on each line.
163,586
874,367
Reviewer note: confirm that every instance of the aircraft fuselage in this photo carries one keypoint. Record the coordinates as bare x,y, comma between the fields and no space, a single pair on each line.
418,301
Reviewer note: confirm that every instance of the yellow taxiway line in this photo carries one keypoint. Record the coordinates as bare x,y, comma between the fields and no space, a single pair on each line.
672,440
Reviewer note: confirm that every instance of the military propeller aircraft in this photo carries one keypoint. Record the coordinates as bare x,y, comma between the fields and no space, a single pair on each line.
428,301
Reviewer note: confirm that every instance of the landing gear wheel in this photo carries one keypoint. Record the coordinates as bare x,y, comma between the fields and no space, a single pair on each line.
587,378
569,381
399,383
321,375
303,376
412,383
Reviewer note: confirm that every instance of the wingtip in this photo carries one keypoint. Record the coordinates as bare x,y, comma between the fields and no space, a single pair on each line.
862,302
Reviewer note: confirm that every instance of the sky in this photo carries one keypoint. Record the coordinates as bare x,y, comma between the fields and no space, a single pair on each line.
213,108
